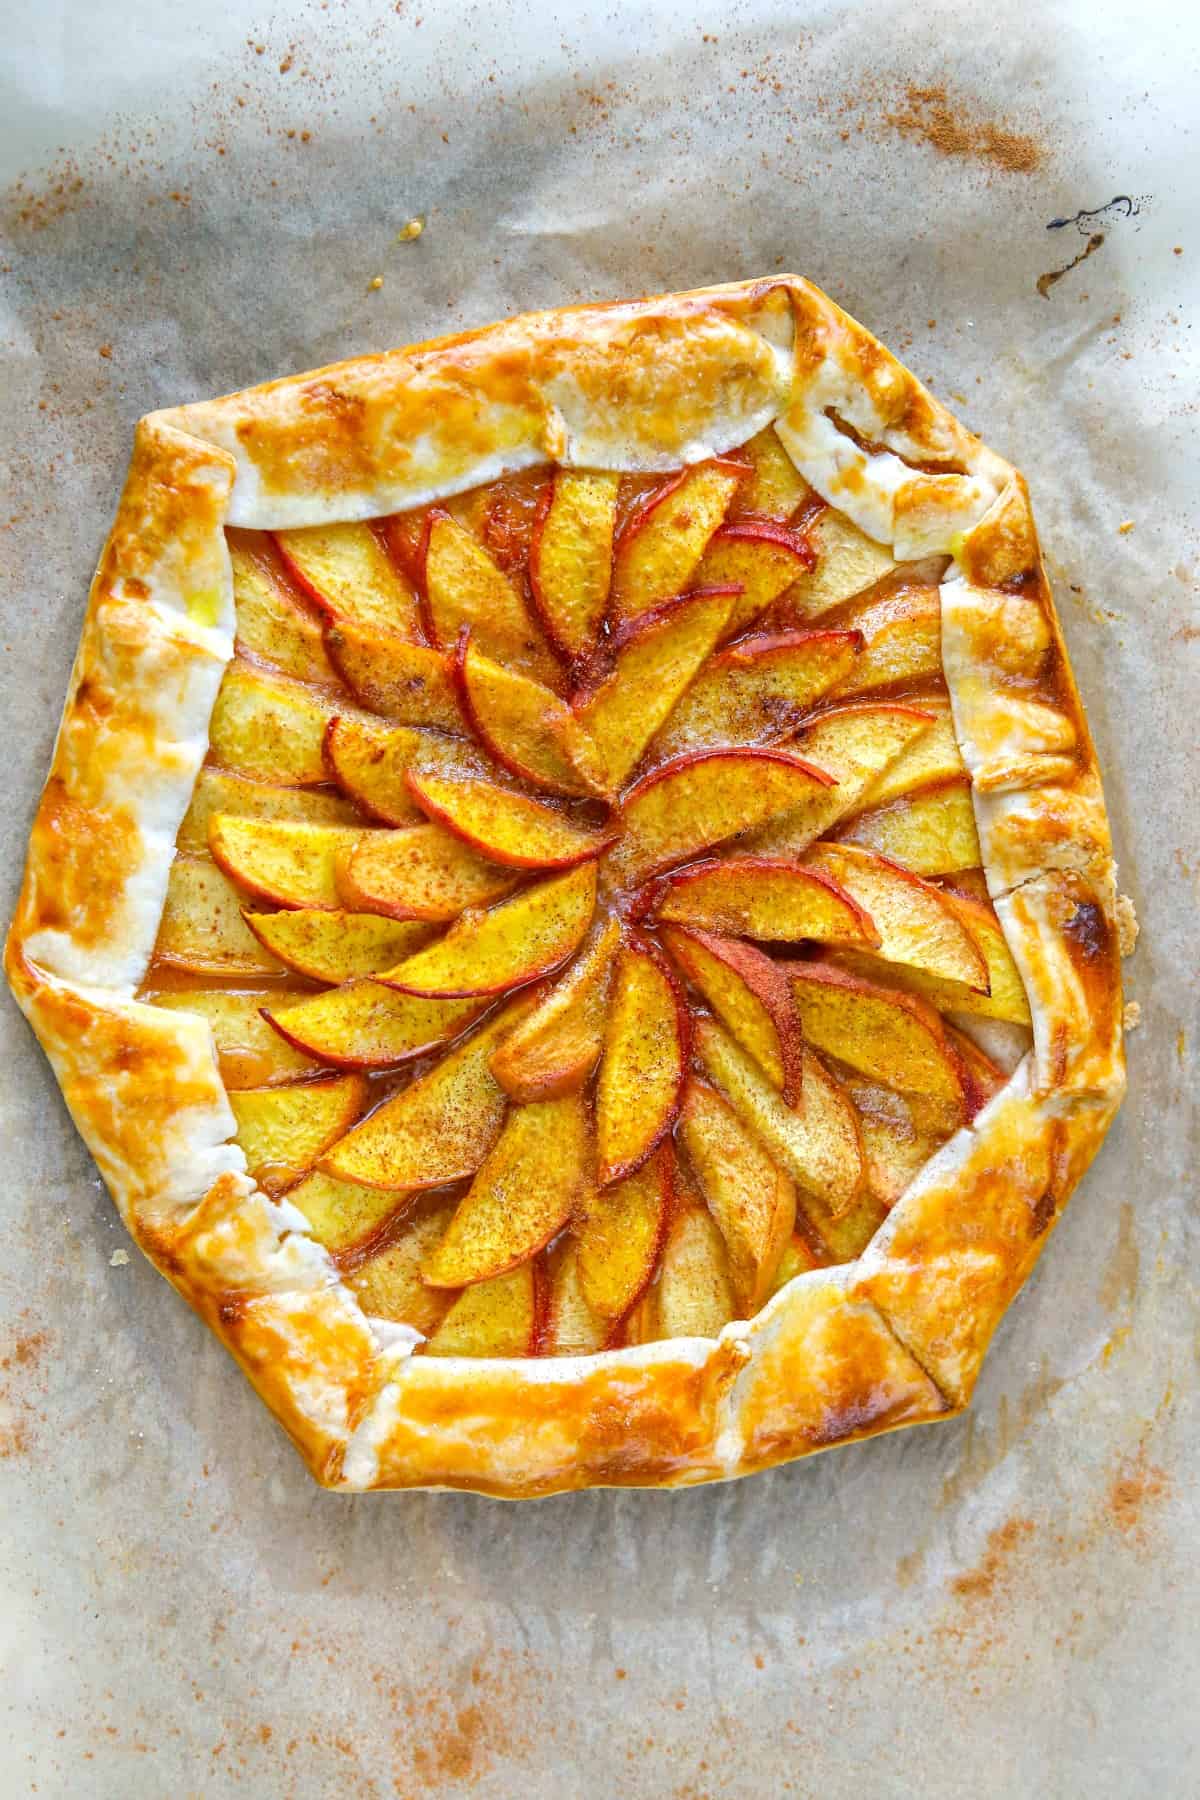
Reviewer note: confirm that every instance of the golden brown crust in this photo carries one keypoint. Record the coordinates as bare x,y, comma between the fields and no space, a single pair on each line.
897,1337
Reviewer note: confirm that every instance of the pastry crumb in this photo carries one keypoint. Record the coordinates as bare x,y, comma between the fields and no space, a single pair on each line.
1125,527
375,283
118,1259
1127,925
1132,1016
412,230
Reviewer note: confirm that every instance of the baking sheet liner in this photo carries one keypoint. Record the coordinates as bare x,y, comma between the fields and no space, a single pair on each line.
196,200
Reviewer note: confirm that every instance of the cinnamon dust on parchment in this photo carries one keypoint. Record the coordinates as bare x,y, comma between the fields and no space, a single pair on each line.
952,128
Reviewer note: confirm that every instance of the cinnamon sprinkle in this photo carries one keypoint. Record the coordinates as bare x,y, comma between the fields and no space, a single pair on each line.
930,116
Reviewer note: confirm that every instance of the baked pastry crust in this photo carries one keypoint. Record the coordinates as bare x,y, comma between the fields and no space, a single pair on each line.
893,1339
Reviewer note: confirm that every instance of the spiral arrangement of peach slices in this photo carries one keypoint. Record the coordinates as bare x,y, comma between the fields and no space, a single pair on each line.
584,895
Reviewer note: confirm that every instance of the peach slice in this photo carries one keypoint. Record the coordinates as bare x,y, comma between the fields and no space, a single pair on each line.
656,657
364,1025
758,690
285,862
283,1130
848,562
902,640
571,1328
621,1233
465,590
372,763
753,1202
899,1136
570,556
494,1318
985,1076
662,542
506,827
764,558
643,1062
216,791
751,995
844,1238
694,1296
271,623
335,946
270,728
918,924
799,1258
347,1218
522,1196
347,572
249,1053
388,1285
1006,997
512,944
774,899
202,930
696,801
774,488
818,1142
555,1049
887,1035
526,727
408,683
852,744
421,873
933,756
930,830
440,1127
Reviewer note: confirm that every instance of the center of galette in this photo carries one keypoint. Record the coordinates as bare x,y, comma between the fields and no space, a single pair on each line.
584,894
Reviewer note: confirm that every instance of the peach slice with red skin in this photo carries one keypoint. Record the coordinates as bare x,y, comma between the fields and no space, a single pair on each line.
557,1046
620,1235
851,744
504,826
1005,999
887,1035
818,1143
283,1130
918,924
752,997
694,1295
285,862
407,683
466,590
848,562
218,791
931,829
387,1283
774,487
570,557
934,756
202,930
506,947
656,656
345,570
372,762
571,1327
642,1064
773,899
522,724
274,624
902,640
440,1127
271,728
501,1317
752,1201
364,1025
350,1220
765,558
523,1194
696,801
249,1053
423,872
661,543
758,690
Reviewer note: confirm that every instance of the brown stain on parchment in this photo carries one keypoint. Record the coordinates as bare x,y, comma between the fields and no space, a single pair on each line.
454,1731
980,1583
1120,1281
1137,1488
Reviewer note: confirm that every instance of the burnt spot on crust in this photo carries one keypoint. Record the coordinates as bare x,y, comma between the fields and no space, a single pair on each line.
1088,930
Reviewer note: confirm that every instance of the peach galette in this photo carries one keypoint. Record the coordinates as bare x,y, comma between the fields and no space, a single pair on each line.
573,906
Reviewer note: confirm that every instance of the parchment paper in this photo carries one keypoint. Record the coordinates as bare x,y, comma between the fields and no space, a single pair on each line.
201,197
